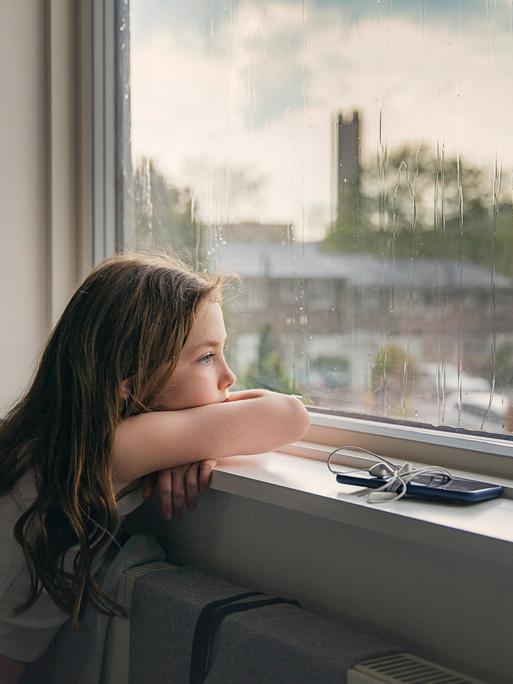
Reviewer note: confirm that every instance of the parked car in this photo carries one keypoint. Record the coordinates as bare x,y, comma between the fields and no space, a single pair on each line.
435,379
478,413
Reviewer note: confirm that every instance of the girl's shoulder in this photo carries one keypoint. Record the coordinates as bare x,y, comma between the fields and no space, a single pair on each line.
20,496
24,492
25,488
12,505
15,502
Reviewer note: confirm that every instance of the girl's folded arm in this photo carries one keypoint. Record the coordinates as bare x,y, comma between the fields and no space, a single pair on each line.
164,439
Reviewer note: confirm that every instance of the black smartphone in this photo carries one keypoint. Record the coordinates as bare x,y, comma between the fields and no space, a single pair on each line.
440,487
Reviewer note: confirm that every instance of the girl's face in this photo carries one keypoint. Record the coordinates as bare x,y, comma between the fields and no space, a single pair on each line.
201,375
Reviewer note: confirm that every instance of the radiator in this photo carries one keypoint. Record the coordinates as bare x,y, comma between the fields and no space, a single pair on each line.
279,644
404,668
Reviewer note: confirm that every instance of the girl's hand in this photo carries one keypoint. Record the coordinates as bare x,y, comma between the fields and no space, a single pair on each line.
179,485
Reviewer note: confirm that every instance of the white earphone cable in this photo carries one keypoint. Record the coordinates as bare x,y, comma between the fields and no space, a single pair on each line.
397,476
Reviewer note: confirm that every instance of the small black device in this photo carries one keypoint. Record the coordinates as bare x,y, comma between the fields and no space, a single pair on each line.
439,487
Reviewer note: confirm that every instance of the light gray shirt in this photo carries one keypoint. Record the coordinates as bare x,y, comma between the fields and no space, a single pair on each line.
27,636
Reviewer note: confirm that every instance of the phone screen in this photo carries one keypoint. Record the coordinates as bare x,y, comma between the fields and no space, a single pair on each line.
444,482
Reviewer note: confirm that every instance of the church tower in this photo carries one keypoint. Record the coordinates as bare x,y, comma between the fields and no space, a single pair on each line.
346,142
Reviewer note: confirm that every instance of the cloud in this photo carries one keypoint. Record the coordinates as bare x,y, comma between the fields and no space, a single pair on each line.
258,87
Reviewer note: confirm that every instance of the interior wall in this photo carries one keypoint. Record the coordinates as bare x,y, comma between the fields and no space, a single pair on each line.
23,244
449,608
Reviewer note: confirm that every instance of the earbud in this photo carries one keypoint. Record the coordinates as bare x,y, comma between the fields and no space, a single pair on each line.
381,497
396,476
380,470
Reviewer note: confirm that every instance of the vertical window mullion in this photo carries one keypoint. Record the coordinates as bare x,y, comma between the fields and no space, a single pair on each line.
103,142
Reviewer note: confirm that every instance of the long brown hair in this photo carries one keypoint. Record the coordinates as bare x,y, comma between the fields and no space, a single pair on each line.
131,315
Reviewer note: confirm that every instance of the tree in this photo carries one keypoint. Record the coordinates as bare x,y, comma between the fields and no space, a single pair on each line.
236,187
165,215
334,368
420,203
268,370
504,366
392,373
501,367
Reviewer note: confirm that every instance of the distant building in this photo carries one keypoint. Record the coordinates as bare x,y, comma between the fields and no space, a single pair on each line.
324,304
252,231
336,292
346,144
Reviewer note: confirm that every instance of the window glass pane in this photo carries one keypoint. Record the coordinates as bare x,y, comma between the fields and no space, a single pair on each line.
352,162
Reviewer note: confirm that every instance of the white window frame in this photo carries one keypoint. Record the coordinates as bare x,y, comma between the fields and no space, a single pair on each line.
87,169
110,106
101,75
475,454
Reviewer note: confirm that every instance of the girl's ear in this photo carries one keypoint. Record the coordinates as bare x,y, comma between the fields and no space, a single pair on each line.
126,388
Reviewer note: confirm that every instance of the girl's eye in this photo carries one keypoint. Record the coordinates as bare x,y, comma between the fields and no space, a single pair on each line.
207,358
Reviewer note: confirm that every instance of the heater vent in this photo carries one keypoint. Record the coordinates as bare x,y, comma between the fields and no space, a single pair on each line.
404,668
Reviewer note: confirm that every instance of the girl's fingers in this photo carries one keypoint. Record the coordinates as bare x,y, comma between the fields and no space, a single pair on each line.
191,484
180,485
205,474
147,486
178,489
166,492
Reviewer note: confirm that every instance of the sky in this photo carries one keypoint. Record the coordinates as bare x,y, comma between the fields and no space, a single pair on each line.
235,99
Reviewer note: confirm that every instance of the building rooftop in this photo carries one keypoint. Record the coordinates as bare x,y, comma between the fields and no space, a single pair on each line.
260,259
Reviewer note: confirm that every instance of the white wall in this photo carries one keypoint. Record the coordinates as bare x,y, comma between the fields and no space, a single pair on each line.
23,260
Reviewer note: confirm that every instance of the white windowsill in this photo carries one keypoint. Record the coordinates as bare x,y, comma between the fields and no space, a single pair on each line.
483,530
482,444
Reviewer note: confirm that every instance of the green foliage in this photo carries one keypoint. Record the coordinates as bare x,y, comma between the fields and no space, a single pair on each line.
330,362
392,364
268,371
165,216
504,365
418,203
392,373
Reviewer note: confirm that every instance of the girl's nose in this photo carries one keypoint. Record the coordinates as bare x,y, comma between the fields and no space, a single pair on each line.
227,378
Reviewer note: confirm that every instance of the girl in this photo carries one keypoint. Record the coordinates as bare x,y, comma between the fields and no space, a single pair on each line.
132,382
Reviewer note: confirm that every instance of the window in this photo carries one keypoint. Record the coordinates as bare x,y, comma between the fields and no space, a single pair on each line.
321,294
254,295
353,164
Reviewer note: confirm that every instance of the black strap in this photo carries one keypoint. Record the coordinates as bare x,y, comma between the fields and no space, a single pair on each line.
200,642
208,623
